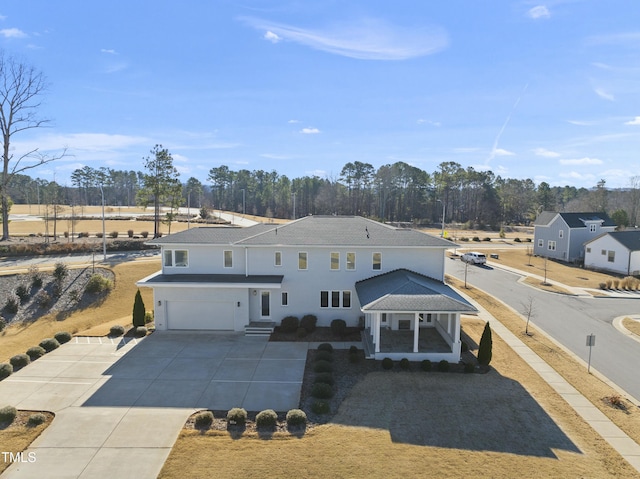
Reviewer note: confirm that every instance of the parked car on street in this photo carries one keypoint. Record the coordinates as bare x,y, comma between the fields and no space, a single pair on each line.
474,257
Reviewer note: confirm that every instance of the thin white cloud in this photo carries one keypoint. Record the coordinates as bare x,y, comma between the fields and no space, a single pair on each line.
272,37
502,152
604,94
310,131
545,153
318,173
293,121
582,161
3,17
574,175
602,66
539,11
13,33
367,39
110,51
422,121
582,122
635,121
90,142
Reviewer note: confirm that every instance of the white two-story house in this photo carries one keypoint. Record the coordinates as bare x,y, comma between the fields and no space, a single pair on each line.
335,267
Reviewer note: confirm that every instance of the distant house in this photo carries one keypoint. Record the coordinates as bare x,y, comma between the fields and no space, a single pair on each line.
563,235
618,252
388,280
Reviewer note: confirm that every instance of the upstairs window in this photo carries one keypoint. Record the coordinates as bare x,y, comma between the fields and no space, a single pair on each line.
377,261
228,259
351,261
278,258
168,257
302,260
611,257
561,234
540,243
592,228
181,258
335,261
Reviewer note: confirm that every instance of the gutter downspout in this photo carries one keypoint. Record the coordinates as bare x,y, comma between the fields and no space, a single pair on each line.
246,262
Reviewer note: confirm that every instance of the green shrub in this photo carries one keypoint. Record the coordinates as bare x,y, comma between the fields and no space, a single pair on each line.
486,346
99,235
138,310
322,367
266,419
62,337
475,238
296,418
144,234
140,332
35,276
22,292
6,370
326,378
203,420
289,324
338,327
98,283
309,322
130,233
324,356
464,238
60,271
49,344
19,361
405,364
516,240
148,317
301,332
528,240
35,352
426,365
43,299
325,347
469,367
36,419
237,416
387,363
443,366
322,391
113,234
8,414
320,407
116,330
12,304
486,238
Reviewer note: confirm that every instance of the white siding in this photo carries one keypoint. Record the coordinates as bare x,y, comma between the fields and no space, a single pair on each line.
594,259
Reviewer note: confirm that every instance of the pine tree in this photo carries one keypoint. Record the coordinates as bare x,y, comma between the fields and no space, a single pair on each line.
138,310
486,346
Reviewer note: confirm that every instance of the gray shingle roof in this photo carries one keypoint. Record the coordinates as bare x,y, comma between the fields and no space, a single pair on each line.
404,290
311,231
574,220
630,239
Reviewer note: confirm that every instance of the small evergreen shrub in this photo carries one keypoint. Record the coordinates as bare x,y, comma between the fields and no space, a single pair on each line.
130,233
22,292
475,238
140,332
289,324
301,332
322,367
8,414
296,418
6,370
387,363
138,310
237,416
443,366
11,306
116,330
324,356
486,346
464,238
320,407
309,322
43,299
35,352
19,361
426,365
353,349
36,277
527,240
469,367
203,420
148,317
99,235
516,240
60,271
338,327
36,419
83,234
98,283
486,239
325,347
49,344
326,378
74,294
321,391
405,364
144,234
113,234
266,419
62,337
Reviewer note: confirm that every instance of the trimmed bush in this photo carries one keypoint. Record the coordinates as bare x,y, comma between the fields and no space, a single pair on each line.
35,352
486,346
296,418
130,233
98,283
8,414
140,332
405,364
138,310
113,234
203,420
516,240
237,416
324,356
99,235
144,234
116,330
148,317
426,365
387,363
443,366
6,370
339,327
43,299
49,344
320,407
301,332
60,271
289,324
309,322
321,391
322,367
12,304
469,367
325,378
486,238
19,361
475,238
62,337
325,347
36,277
22,292
353,349
36,419
266,419
83,234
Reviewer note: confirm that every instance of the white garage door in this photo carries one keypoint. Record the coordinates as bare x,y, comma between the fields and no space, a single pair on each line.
200,315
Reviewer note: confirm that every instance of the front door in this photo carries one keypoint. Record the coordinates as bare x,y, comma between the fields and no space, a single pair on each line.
265,304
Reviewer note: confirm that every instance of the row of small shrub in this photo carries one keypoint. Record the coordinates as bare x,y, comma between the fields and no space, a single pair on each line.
323,382
426,365
302,327
628,283
266,419
21,360
8,415
113,234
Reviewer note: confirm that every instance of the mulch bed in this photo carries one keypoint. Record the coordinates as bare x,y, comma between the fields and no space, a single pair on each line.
321,335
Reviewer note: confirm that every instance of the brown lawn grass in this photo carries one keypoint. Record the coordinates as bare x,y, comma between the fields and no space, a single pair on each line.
552,288
18,436
632,325
118,306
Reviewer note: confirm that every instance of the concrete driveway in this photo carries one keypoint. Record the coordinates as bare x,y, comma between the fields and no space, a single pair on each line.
120,404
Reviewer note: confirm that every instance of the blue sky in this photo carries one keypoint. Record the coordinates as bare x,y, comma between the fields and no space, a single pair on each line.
542,90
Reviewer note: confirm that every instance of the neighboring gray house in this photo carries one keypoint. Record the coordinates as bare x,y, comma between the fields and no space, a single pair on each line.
563,235
618,252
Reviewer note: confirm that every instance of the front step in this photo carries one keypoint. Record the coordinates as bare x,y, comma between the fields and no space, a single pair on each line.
261,328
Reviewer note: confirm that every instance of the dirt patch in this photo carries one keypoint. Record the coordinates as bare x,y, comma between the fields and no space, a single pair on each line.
632,325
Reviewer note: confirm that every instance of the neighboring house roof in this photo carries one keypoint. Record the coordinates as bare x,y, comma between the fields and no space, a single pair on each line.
630,239
404,290
211,279
574,220
310,231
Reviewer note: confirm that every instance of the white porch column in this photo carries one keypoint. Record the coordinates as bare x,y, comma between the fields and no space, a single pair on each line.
449,326
456,326
416,331
376,332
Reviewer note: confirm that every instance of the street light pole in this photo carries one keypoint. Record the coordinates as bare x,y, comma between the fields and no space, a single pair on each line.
104,236
443,210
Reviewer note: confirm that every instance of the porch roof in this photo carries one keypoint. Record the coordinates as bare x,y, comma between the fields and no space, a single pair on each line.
211,279
404,290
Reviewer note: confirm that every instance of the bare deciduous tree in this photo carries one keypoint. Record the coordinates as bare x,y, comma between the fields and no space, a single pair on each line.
21,87
529,311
